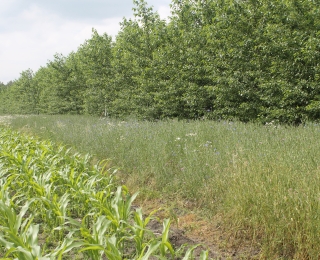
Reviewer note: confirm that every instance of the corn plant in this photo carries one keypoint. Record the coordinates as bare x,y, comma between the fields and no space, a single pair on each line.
56,210
165,244
19,236
139,228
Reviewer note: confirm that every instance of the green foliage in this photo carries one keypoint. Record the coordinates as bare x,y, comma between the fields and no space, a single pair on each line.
94,62
261,66
4,99
135,64
62,86
21,96
245,60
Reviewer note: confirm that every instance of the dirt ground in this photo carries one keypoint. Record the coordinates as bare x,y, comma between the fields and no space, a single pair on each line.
190,229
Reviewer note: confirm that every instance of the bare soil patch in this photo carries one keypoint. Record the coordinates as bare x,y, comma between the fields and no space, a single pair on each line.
190,229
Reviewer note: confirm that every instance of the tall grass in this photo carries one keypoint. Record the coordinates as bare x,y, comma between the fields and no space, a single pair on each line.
263,180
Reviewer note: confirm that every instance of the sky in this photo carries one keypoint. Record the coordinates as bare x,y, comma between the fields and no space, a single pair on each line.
32,31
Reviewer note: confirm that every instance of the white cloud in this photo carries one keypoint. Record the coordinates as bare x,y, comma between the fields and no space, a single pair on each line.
5,5
31,33
47,34
164,11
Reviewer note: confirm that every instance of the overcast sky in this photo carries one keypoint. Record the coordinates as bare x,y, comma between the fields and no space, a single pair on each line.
32,31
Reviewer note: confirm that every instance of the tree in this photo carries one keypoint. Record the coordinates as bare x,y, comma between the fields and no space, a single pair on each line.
135,63
94,64
24,95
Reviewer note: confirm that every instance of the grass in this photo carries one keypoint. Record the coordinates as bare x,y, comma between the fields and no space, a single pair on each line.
263,180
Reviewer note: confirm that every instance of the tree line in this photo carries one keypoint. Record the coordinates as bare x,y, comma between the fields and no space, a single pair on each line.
249,60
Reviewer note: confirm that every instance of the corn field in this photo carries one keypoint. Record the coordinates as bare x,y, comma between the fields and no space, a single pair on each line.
56,205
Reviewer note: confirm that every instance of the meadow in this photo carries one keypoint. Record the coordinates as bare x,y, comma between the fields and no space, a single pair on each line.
257,185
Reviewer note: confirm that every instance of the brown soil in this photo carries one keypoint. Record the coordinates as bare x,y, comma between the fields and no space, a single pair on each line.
189,228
